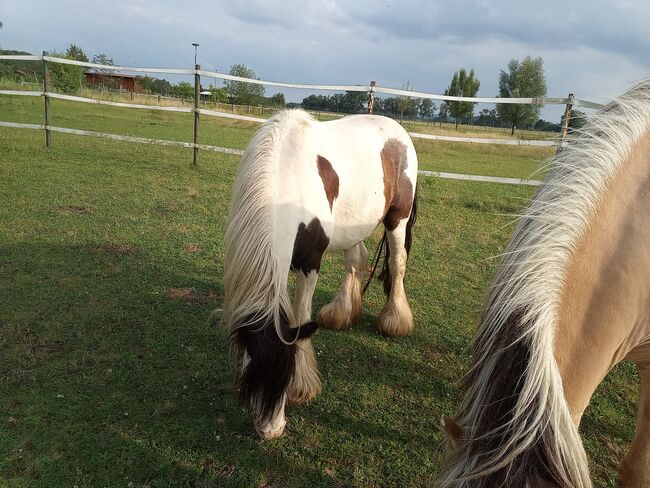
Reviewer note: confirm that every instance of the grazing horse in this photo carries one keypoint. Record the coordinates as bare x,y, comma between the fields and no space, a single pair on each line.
303,188
570,300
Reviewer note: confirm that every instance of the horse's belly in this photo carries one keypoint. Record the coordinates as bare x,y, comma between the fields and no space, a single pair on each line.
355,221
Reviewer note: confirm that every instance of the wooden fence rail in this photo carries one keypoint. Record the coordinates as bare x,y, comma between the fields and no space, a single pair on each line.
372,89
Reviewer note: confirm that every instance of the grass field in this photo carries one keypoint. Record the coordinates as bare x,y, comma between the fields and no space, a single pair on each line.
111,258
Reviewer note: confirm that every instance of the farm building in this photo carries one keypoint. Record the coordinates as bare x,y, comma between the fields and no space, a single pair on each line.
114,80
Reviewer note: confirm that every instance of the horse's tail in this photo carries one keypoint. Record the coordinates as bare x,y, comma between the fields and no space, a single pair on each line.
257,306
384,276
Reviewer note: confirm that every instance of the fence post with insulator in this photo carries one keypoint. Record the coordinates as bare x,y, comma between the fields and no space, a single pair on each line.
197,101
567,115
371,97
46,95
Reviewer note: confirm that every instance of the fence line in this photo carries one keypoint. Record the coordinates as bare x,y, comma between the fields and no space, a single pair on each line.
197,110
359,88
240,152
481,140
215,113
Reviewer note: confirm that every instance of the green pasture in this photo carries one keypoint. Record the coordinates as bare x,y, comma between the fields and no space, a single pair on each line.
468,158
111,256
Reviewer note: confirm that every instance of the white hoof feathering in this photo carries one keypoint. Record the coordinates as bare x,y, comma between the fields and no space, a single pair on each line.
305,383
346,308
396,319
272,430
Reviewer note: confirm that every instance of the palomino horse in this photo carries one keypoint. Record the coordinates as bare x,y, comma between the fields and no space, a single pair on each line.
570,300
303,188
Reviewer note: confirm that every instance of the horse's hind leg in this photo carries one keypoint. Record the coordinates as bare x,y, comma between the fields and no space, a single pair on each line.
305,383
346,308
396,318
635,469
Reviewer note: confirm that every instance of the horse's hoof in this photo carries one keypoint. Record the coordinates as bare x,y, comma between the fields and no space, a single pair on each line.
334,316
296,397
268,433
395,320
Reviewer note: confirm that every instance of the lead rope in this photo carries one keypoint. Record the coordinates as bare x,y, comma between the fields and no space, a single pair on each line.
374,267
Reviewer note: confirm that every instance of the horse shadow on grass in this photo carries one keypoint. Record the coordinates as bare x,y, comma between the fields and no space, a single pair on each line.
112,374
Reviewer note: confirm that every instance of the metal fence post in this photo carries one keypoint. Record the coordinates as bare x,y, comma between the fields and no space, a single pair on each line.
46,96
567,115
371,97
197,100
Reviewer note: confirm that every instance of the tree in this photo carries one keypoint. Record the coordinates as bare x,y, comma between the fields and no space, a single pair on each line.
241,92
219,95
103,59
277,100
443,112
406,105
426,108
352,102
546,126
75,52
315,102
66,78
576,121
184,89
462,85
523,79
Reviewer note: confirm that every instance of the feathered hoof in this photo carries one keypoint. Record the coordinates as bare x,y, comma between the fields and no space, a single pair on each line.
395,320
269,431
335,317
303,391
346,309
305,383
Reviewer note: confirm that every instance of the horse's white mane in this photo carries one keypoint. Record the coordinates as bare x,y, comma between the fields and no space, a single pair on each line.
254,282
529,282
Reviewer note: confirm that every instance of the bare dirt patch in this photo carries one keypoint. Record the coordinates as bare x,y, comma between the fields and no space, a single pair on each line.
192,248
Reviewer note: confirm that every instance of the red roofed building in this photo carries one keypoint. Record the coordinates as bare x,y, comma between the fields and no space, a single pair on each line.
115,81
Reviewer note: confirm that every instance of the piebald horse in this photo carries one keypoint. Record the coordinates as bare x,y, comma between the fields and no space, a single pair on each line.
570,300
304,188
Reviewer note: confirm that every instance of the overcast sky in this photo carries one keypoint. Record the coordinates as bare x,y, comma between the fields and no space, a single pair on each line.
595,49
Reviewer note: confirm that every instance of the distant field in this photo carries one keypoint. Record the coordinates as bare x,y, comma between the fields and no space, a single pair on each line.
111,257
468,158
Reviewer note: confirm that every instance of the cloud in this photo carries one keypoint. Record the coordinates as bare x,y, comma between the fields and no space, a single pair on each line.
593,49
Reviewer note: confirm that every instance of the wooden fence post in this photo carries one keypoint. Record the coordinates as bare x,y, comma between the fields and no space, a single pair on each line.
371,97
197,100
46,95
567,115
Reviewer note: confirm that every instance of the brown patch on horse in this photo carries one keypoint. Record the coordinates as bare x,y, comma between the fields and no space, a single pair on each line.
398,189
309,246
329,177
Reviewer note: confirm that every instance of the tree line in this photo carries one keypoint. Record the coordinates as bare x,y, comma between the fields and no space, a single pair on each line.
521,78
70,79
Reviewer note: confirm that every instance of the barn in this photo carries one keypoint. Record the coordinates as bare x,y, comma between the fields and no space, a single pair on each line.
115,81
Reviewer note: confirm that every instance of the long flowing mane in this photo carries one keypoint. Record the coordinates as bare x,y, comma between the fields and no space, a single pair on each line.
257,306
254,283
517,427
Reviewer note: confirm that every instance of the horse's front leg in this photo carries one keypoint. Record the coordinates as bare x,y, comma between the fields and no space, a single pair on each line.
396,318
305,383
635,469
346,308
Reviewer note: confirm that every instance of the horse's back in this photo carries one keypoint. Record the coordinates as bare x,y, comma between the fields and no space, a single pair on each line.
356,148
334,171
